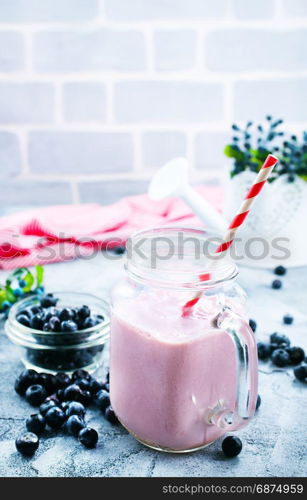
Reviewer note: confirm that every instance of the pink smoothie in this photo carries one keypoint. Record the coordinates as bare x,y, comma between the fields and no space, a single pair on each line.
168,372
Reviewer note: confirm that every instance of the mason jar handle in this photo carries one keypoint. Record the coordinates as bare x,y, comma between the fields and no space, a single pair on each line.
232,324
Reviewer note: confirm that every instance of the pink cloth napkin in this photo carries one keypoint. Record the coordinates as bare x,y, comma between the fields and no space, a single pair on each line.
65,232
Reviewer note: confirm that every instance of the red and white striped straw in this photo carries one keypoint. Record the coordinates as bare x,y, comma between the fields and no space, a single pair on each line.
238,220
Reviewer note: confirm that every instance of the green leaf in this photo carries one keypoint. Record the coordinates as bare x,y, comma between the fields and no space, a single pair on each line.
234,152
304,177
10,294
39,275
29,279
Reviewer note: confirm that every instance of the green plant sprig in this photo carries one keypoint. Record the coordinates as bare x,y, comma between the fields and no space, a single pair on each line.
20,283
251,144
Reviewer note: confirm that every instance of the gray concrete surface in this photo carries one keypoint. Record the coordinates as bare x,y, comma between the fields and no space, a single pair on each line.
273,444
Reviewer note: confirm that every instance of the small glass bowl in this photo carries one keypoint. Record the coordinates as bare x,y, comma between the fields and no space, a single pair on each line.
52,352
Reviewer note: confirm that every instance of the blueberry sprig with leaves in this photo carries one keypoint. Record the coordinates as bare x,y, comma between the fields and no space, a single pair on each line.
251,145
19,284
293,158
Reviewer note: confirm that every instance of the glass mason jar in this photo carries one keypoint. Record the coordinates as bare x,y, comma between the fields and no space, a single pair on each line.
180,380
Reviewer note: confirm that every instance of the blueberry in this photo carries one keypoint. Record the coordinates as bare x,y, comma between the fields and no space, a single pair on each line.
296,354
17,292
22,283
84,312
102,399
110,415
48,381
85,398
74,425
24,320
64,405
5,305
36,394
119,250
48,301
69,326
60,395
276,284
26,312
75,408
27,443
300,372
72,393
37,322
45,407
96,386
53,398
88,323
232,446
288,319
280,358
264,350
88,437
280,270
66,314
279,339
55,417
78,374
85,385
258,402
54,324
253,324
62,380
36,423
36,310
25,379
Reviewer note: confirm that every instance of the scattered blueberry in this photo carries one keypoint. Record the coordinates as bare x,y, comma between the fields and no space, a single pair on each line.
75,408
74,425
110,415
69,326
79,374
62,380
288,319
300,372
25,379
36,394
23,320
279,339
45,407
95,386
27,443
37,322
72,393
60,395
280,270
258,402
5,305
48,381
102,400
22,283
253,324
48,301
232,446
36,423
84,312
85,385
85,398
296,354
55,417
18,292
88,437
264,350
276,284
280,358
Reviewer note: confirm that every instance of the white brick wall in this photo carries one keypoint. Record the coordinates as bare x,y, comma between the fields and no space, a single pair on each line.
96,94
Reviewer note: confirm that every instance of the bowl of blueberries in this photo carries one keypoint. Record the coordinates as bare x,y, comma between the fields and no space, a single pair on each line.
61,331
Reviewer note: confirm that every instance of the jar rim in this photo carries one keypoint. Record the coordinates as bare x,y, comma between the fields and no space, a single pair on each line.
193,266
